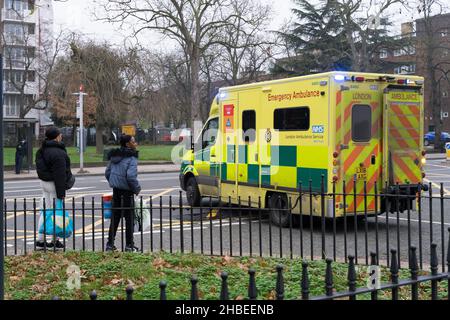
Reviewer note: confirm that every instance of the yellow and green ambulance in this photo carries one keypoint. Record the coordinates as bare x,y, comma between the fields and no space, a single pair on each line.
347,131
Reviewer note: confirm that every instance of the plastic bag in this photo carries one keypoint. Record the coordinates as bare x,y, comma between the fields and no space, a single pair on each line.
56,222
142,215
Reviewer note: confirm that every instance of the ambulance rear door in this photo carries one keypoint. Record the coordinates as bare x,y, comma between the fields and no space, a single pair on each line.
402,135
358,124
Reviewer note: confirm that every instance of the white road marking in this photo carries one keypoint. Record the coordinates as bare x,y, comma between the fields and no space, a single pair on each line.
415,220
163,193
446,192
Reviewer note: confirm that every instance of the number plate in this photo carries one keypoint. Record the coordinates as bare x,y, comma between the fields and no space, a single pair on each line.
361,173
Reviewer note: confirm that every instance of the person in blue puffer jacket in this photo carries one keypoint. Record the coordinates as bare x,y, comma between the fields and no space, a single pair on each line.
121,174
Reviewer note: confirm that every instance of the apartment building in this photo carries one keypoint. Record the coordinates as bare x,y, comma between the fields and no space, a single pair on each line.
26,27
412,60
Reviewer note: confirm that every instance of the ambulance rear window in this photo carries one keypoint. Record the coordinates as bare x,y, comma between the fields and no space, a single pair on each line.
291,119
361,123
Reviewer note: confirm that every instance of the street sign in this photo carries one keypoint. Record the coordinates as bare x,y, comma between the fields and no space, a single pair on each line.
129,130
78,112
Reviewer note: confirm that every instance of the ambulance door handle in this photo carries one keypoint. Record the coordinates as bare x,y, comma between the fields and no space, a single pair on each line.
256,157
373,159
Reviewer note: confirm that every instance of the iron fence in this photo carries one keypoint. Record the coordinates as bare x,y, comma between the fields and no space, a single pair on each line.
220,227
329,292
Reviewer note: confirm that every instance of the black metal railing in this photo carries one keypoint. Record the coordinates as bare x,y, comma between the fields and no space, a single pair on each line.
248,228
353,292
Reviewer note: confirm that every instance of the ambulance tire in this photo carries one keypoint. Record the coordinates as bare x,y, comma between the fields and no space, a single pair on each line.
192,192
279,215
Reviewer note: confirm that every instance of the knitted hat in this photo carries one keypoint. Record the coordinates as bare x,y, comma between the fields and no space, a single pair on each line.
124,139
52,133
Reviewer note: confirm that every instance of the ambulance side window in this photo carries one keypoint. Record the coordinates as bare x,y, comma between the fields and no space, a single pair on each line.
209,135
291,119
361,123
249,126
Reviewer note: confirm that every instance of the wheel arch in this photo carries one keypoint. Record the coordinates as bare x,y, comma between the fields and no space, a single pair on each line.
187,173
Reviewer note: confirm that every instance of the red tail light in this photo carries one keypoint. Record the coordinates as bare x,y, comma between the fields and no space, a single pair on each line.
335,154
335,179
401,81
423,175
359,79
424,153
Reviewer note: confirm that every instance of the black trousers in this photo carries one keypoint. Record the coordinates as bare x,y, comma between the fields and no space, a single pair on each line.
19,161
123,206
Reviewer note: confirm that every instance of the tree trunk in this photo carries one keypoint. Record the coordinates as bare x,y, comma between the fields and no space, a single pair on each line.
99,139
436,107
195,91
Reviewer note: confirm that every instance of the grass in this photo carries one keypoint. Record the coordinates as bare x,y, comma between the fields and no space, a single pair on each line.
43,276
146,153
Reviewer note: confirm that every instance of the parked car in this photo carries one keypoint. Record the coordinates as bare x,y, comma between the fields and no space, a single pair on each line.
179,135
429,137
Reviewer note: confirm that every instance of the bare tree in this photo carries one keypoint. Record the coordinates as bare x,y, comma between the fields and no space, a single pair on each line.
246,44
160,91
194,24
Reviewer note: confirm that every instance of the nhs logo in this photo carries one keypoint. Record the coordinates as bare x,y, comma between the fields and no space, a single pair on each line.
318,129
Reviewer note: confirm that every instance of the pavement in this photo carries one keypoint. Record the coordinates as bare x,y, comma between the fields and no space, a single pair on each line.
96,171
436,156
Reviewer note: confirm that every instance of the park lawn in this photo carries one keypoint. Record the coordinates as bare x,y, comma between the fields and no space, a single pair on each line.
43,276
146,153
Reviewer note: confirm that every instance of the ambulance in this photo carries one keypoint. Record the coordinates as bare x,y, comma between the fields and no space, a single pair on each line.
329,145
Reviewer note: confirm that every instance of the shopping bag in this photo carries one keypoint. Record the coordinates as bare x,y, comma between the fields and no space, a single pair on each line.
107,205
142,215
57,221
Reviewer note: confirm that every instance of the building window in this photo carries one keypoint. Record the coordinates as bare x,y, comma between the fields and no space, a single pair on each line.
444,33
31,76
18,5
411,50
398,52
292,119
31,29
445,94
361,123
406,69
383,54
12,105
249,125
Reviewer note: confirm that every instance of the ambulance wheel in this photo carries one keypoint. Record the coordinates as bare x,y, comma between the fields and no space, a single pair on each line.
279,215
192,192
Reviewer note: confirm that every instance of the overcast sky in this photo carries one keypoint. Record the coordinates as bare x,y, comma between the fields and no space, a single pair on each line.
76,15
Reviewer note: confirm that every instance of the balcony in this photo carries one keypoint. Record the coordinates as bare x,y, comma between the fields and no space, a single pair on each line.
22,40
24,16
31,88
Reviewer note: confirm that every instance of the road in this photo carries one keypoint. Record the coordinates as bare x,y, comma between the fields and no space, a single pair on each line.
212,231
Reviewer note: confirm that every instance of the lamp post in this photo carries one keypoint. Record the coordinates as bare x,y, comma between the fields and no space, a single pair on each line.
2,282
81,95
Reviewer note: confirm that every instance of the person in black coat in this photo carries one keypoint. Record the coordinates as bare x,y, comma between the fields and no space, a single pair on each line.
21,151
53,169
